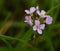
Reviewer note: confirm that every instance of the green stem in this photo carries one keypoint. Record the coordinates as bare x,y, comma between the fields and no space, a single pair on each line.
8,44
10,38
53,8
48,40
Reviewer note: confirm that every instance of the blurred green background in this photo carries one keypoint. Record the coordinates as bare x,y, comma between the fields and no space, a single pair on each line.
15,35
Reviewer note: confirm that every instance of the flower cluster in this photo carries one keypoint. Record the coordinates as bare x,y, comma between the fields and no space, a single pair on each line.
37,19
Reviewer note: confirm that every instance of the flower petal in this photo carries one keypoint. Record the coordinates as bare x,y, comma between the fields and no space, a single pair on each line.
43,12
27,17
39,31
27,11
34,28
28,20
48,20
38,12
37,7
30,23
37,22
32,9
42,26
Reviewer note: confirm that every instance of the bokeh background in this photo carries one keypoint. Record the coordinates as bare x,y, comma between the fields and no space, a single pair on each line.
15,35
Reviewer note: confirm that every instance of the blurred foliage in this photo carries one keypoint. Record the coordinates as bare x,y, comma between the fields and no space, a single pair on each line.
15,35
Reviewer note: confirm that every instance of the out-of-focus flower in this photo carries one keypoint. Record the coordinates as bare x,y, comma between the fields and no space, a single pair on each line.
37,10
32,9
48,19
41,14
28,20
38,27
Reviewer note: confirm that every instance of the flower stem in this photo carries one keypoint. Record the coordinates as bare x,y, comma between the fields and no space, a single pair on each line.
48,40
53,8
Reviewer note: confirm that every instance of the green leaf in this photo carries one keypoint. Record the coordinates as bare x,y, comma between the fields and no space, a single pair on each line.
3,49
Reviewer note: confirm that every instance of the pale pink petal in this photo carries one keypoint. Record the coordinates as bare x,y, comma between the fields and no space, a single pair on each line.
28,20
37,22
39,31
30,23
37,7
25,21
34,28
46,15
27,11
48,20
42,26
43,12
38,12
32,9
29,17
26,17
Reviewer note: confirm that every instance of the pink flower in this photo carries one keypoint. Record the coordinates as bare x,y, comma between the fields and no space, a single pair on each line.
48,19
32,9
36,19
41,14
38,27
28,20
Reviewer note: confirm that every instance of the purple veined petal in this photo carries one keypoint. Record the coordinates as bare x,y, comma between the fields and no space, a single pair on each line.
34,28
27,11
37,22
39,31
43,12
38,12
48,20
42,26
32,9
